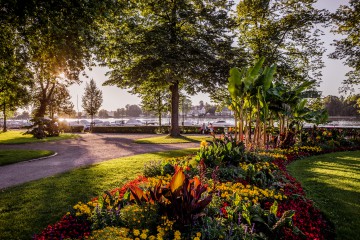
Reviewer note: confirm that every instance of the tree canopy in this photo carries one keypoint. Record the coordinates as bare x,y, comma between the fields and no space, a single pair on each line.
347,23
286,33
182,44
56,37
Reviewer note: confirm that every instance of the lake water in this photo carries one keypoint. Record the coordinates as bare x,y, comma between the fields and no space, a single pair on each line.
188,121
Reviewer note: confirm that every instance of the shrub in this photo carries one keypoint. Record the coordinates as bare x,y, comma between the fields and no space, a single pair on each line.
72,129
43,127
152,169
222,153
131,129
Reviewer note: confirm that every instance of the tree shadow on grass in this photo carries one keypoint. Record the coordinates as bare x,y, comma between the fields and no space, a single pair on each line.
332,182
341,207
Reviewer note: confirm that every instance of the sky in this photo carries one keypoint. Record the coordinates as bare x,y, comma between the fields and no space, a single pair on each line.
114,97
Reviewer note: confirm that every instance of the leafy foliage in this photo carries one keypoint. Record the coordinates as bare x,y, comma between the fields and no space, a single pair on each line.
175,45
44,127
180,200
222,153
92,98
285,33
347,20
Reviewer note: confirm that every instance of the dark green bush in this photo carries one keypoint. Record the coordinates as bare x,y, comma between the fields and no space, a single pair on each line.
143,129
222,153
44,127
131,129
71,129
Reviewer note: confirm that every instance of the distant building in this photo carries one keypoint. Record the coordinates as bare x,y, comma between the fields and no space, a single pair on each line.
196,111
224,112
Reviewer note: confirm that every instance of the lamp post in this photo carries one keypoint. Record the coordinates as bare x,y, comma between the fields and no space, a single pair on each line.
183,115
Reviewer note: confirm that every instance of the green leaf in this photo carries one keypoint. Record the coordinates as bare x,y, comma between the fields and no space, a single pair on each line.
269,76
234,81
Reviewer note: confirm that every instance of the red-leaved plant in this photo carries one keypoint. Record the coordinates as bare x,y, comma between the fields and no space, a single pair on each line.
181,199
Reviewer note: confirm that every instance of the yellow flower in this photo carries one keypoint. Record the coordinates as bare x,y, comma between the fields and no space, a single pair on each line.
203,144
198,234
136,232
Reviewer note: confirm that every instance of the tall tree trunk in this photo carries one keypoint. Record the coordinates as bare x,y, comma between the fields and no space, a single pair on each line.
160,119
159,110
174,130
40,113
4,112
235,134
241,125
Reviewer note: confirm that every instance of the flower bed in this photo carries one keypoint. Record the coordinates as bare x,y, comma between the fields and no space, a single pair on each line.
223,192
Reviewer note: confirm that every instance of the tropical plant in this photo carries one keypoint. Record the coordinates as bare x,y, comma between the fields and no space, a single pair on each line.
259,102
182,199
248,88
221,152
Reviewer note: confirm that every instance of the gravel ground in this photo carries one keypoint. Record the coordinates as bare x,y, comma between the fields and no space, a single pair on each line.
86,150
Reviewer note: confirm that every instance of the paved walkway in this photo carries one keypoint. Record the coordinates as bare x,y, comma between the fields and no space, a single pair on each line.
87,150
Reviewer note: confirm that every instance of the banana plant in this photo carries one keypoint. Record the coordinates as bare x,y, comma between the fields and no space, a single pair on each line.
248,88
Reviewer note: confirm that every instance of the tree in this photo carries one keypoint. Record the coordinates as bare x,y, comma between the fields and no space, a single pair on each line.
120,112
15,76
285,33
103,113
60,102
155,100
182,44
133,110
92,99
23,115
339,106
58,38
201,104
211,109
334,105
185,104
13,96
347,21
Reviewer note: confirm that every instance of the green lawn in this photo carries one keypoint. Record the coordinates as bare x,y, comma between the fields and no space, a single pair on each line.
18,137
168,139
28,208
14,156
333,182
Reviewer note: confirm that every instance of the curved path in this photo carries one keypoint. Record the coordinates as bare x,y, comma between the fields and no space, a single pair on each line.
86,150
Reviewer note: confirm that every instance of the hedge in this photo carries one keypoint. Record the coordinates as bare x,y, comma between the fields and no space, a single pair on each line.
150,129
72,129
